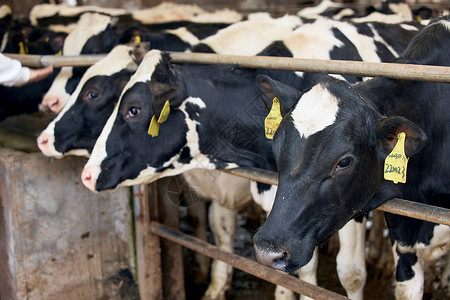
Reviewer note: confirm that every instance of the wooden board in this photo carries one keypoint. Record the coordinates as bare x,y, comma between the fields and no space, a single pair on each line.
58,240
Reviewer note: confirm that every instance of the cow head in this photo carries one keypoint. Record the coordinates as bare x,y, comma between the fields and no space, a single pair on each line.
78,126
92,35
329,148
125,153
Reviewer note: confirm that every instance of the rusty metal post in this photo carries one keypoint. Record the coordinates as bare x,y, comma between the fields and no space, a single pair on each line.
172,253
148,248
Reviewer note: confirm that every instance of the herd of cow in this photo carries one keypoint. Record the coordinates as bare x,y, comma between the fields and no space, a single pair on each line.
140,117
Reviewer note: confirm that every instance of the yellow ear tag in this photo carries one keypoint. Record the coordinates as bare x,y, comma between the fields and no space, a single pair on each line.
47,39
137,39
58,53
23,49
396,162
273,119
164,113
153,129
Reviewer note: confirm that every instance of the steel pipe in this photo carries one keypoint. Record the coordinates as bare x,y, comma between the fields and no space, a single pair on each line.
357,68
241,263
396,206
37,61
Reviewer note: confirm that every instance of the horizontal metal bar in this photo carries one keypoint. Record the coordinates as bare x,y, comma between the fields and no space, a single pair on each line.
244,264
37,61
357,68
396,206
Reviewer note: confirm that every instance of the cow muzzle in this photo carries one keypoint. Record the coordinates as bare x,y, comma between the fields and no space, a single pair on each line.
272,258
52,104
89,176
46,143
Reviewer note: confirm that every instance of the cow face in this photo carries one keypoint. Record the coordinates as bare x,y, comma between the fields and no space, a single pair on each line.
92,35
78,126
125,153
329,151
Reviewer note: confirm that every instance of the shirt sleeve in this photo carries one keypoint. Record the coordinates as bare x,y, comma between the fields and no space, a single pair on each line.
12,72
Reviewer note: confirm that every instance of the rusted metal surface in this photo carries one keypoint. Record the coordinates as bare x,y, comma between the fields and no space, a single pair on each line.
396,206
417,210
246,265
148,248
357,68
172,254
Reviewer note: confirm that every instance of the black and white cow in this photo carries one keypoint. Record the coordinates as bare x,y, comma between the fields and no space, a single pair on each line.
76,128
330,150
338,40
92,35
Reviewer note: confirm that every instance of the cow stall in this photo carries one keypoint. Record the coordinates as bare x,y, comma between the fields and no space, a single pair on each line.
159,264
149,211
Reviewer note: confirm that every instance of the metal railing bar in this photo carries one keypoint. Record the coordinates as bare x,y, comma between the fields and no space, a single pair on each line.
244,264
397,206
357,68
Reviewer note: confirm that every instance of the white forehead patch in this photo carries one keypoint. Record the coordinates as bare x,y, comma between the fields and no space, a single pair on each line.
315,110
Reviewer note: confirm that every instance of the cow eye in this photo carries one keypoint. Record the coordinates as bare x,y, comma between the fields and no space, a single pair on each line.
344,163
133,111
90,95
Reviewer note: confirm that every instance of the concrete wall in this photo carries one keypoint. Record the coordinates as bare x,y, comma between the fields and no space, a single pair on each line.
58,240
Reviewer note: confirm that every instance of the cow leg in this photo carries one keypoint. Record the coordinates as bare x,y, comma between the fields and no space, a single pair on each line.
223,225
350,260
197,213
409,274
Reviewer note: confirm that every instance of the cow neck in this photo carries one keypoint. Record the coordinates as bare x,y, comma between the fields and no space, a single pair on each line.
231,125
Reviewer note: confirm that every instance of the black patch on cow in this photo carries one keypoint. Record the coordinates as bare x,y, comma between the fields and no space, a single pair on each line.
185,156
396,36
363,28
204,30
347,52
160,170
404,269
262,187
203,48
276,48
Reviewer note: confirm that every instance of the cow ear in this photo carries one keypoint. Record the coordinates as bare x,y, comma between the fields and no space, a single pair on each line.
387,135
270,88
164,85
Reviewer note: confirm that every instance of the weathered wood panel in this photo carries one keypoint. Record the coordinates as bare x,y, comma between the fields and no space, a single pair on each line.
57,239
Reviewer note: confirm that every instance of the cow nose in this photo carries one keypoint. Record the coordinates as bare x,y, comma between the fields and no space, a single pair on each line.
87,178
271,258
45,143
52,103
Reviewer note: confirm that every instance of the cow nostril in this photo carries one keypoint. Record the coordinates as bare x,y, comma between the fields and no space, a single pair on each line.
280,262
42,140
272,258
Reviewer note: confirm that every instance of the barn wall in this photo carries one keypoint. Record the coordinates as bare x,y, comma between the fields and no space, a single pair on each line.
59,240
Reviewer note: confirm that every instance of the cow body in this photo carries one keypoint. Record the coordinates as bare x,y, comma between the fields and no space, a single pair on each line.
331,163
